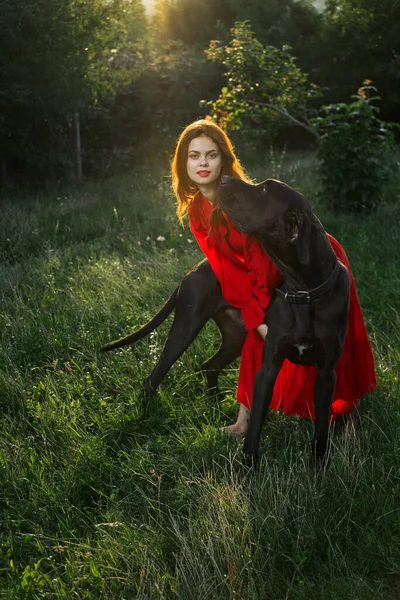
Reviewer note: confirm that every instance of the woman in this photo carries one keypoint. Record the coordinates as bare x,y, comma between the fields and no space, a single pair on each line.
248,278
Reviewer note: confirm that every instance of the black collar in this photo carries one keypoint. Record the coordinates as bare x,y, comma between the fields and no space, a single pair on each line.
305,296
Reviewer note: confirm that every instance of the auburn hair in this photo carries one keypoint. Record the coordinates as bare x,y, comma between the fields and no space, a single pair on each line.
184,188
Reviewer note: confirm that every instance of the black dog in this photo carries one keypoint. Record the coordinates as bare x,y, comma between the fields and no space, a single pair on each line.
197,299
307,316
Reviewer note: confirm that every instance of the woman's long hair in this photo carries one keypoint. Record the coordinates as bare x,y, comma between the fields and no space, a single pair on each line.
183,187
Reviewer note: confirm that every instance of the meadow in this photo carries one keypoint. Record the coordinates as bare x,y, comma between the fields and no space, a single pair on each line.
103,498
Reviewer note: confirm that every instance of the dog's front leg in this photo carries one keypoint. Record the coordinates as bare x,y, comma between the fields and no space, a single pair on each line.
324,389
262,395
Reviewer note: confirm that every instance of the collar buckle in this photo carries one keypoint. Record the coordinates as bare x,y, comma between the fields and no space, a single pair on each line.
303,296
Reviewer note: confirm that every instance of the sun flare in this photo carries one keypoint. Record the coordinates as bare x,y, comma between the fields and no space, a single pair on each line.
149,6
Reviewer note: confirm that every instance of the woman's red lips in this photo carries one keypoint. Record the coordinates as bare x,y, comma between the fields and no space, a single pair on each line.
203,173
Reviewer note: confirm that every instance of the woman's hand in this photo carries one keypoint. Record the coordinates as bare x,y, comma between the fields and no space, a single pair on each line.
263,330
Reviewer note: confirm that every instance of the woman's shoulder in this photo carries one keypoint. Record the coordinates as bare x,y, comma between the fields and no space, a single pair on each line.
199,210
194,204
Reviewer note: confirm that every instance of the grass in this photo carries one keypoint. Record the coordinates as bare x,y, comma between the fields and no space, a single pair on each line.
103,500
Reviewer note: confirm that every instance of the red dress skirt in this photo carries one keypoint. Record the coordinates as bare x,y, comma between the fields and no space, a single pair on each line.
248,278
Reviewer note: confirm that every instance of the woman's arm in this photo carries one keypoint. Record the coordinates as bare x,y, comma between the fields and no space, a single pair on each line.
263,274
243,282
233,277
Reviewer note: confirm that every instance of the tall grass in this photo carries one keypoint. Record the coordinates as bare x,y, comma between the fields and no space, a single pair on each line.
103,497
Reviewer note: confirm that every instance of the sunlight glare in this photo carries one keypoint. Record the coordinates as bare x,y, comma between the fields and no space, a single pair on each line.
149,6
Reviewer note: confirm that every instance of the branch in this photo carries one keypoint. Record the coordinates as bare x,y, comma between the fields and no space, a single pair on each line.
286,115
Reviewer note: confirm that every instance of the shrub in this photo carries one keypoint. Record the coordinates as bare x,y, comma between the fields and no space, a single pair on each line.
354,152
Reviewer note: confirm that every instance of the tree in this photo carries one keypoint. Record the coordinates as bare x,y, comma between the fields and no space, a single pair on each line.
263,85
360,39
344,42
57,58
280,22
356,151
192,22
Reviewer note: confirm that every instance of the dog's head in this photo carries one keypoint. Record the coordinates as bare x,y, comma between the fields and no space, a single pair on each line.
275,213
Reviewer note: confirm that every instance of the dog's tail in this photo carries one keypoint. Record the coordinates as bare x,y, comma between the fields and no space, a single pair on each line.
147,328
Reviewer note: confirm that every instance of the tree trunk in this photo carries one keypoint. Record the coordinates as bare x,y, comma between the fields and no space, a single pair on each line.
78,148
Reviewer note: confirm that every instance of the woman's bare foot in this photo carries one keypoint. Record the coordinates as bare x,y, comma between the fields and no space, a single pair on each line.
238,429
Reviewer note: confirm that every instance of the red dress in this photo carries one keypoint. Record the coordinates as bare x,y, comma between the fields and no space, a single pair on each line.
248,278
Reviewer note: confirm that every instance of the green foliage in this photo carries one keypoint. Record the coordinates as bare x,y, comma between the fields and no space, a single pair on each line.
58,58
192,23
263,85
342,43
360,39
279,22
169,99
356,150
140,124
136,80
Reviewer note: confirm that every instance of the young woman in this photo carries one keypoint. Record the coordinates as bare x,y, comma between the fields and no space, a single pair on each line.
248,278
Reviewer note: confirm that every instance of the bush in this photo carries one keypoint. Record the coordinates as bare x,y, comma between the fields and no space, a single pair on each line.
354,152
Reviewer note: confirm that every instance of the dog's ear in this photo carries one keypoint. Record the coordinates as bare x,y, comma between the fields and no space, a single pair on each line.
298,230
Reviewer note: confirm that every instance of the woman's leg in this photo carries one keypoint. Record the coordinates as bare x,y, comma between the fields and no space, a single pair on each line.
239,428
249,365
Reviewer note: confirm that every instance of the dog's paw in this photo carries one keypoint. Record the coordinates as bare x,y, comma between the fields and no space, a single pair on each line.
214,394
319,458
145,396
246,467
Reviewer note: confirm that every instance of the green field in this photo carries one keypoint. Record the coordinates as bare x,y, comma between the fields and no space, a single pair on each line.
101,499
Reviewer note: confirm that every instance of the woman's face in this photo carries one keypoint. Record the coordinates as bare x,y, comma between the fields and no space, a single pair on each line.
204,161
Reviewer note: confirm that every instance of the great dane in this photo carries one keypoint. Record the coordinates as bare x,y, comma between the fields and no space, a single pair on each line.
307,315
196,300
